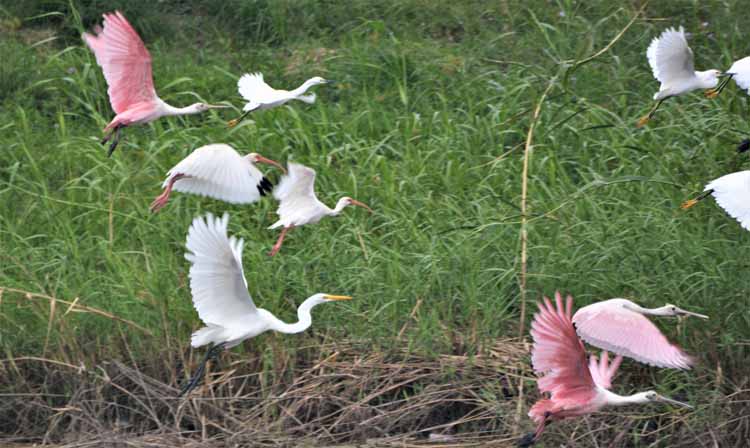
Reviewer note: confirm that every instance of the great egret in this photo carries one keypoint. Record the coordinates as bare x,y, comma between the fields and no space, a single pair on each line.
126,64
220,295
577,386
298,203
619,325
671,60
740,72
260,95
732,193
219,172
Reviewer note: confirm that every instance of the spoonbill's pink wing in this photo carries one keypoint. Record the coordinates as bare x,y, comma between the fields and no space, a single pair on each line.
732,193
125,62
602,371
610,326
558,354
218,171
670,57
217,281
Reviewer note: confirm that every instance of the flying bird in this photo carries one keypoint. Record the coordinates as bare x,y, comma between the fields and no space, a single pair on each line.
298,203
220,295
576,385
126,64
740,72
261,96
621,326
732,193
671,61
219,172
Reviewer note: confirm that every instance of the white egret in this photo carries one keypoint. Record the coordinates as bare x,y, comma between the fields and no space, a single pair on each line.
740,72
220,294
298,203
732,193
260,95
220,172
671,60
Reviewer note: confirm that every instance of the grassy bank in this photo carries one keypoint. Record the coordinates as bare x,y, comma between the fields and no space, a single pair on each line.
426,124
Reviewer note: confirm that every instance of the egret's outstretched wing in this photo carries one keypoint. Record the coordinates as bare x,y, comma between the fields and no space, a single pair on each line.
670,57
602,371
628,333
218,171
125,62
254,89
732,193
216,278
558,355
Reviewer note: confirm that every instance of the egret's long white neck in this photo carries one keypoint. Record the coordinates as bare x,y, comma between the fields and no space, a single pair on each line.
303,314
303,88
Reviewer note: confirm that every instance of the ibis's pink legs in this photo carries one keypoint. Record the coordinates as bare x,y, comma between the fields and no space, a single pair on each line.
277,246
162,199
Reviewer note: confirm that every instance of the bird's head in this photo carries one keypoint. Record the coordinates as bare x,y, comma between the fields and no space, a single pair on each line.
652,396
710,78
673,310
202,107
318,80
255,158
347,201
320,297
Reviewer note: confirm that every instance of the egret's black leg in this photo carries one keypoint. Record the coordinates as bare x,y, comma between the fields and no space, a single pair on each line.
642,122
691,202
115,141
712,93
236,121
212,353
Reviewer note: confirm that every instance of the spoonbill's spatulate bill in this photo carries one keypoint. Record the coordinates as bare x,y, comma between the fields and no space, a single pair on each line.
220,295
219,172
298,203
126,64
732,193
620,326
671,61
260,96
576,385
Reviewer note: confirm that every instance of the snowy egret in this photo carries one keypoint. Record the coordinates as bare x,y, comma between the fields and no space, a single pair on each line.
220,294
298,203
671,60
577,386
219,172
732,193
260,95
126,64
740,72
619,325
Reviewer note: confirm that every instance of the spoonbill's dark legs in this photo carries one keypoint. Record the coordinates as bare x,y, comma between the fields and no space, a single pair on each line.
116,134
279,242
161,200
212,353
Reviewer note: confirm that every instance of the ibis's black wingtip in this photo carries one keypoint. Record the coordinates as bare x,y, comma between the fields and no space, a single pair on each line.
744,145
265,186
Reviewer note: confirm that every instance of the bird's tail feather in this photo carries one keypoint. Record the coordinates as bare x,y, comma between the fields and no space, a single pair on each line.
204,336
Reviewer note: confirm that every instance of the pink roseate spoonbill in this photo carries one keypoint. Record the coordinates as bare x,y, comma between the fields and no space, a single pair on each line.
577,386
620,326
671,61
261,96
732,193
219,172
220,296
298,203
126,64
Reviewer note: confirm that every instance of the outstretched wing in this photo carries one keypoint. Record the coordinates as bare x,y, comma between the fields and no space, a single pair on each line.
254,89
732,193
218,171
216,278
558,355
125,62
610,326
670,57
296,195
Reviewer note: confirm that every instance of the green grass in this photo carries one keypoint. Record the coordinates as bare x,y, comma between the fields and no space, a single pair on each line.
426,125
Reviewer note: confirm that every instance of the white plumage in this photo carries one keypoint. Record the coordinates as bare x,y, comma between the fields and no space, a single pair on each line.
740,72
732,193
219,172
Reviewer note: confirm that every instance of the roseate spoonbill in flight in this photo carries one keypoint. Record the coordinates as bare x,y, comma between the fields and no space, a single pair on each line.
126,64
671,60
732,193
620,326
577,386
298,204
220,295
261,96
219,172
740,72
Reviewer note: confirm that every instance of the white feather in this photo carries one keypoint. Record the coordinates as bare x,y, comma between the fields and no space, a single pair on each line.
732,193
741,73
296,194
260,96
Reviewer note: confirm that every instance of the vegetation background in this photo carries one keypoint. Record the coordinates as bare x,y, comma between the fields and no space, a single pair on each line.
427,123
